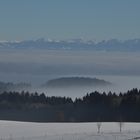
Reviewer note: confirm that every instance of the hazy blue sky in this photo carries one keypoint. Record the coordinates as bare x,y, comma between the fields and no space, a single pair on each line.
66,19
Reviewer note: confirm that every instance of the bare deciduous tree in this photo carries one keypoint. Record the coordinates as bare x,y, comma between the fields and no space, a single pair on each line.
121,124
99,126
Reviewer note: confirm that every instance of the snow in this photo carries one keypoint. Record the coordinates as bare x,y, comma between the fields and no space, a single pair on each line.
67,131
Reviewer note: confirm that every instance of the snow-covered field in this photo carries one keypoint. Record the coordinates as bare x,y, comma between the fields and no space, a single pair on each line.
10,130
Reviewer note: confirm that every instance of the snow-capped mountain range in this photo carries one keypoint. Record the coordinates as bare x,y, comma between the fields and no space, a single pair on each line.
74,44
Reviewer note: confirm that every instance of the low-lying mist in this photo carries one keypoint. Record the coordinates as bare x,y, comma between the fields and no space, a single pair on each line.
37,67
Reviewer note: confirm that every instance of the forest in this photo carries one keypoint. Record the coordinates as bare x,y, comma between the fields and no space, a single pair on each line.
93,107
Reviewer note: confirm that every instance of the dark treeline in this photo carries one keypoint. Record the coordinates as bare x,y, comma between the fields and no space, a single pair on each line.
25,106
12,87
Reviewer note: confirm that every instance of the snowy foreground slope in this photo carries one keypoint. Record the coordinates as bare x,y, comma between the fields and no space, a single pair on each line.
10,130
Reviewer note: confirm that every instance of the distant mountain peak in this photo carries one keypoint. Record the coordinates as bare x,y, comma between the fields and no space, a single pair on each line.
74,44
